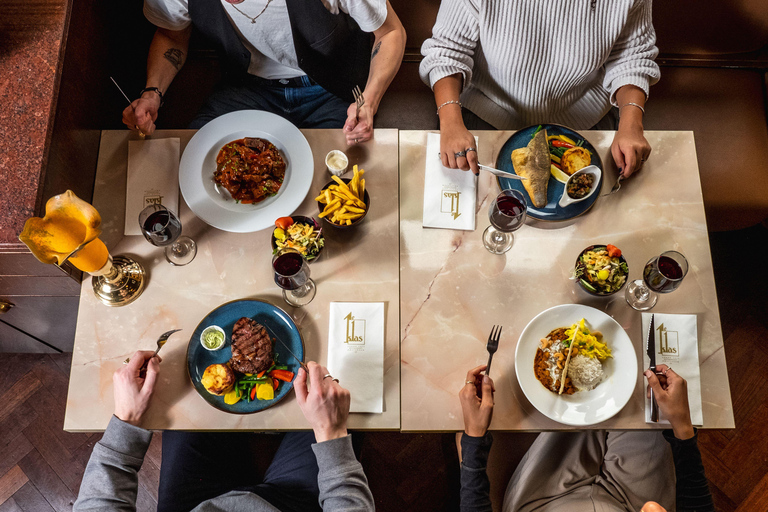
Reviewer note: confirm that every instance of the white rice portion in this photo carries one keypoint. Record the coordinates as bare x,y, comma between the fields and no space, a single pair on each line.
585,372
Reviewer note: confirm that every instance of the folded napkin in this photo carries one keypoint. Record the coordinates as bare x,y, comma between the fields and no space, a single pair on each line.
356,352
677,346
153,178
450,195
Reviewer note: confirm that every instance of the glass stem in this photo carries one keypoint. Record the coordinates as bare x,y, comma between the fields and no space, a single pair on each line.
302,290
642,293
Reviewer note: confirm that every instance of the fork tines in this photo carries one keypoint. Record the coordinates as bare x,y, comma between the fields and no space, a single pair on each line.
359,99
493,345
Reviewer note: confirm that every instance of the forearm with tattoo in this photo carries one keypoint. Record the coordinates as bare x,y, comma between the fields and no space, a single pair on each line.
375,50
175,57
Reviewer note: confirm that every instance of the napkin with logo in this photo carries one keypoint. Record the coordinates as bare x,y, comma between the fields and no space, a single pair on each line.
153,178
450,195
356,352
677,346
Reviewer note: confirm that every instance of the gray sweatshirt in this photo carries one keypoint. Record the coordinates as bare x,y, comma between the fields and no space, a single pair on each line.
111,477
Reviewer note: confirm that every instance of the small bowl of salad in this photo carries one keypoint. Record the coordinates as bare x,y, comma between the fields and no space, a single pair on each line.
298,233
601,270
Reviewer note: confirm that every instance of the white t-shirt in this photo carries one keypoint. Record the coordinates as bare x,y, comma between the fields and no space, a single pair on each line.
269,38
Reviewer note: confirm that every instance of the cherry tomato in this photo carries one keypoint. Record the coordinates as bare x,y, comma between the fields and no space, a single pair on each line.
284,222
613,251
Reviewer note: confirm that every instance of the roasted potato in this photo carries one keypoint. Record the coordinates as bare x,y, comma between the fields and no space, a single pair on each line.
575,159
218,379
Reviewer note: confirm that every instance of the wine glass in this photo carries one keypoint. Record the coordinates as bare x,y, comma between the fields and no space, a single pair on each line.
507,214
163,229
292,275
662,274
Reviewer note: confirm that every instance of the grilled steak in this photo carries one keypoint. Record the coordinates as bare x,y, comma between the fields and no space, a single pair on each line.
251,347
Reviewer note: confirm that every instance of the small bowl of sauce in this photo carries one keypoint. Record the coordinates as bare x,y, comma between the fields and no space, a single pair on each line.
580,185
336,162
213,338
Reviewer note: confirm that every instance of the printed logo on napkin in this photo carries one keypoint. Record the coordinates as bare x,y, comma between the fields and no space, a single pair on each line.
356,352
450,195
153,178
677,346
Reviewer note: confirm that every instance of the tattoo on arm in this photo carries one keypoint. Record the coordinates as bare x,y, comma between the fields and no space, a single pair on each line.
175,57
375,50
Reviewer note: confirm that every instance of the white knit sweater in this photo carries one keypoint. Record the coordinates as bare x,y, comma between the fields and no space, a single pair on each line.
526,62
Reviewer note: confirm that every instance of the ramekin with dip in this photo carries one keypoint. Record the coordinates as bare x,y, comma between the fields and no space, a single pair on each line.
336,162
212,338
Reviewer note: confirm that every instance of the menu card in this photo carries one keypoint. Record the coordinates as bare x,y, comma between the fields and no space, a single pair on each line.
356,352
450,195
153,178
677,346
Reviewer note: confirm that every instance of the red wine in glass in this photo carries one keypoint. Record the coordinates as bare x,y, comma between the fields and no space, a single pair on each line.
662,274
292,275
162,228
507,214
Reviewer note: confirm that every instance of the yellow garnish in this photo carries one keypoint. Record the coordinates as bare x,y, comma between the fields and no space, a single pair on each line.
587,343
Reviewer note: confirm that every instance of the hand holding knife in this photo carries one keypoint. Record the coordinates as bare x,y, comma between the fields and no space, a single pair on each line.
650,349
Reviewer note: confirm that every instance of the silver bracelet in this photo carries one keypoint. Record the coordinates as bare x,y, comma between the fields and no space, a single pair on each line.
634,105
457,102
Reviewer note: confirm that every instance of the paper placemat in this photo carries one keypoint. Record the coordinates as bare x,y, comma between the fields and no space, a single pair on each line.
153,178
677,346
450,195
356,352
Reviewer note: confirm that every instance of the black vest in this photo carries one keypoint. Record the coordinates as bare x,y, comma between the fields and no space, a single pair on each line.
332,49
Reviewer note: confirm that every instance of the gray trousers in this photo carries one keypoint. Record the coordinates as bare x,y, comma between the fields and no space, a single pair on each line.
593,471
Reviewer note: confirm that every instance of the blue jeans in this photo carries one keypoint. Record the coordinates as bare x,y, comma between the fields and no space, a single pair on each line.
198,466
306,106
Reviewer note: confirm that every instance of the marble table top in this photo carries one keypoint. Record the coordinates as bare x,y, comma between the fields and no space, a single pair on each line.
357,266
452,290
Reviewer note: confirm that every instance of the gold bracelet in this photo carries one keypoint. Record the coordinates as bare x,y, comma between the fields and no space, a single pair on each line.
634,105
457,102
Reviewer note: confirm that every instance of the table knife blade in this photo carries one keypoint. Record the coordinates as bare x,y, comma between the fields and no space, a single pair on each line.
650,349
301,363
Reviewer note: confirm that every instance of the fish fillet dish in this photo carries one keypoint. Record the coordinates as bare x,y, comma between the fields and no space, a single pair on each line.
251,169
251,347
574,354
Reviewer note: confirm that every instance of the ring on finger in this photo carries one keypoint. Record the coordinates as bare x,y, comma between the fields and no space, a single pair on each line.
469,382
470,149
460,154
327,376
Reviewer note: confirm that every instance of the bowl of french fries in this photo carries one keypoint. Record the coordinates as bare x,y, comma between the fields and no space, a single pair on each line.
344,202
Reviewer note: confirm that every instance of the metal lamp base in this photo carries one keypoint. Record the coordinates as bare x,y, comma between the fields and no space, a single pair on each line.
122,285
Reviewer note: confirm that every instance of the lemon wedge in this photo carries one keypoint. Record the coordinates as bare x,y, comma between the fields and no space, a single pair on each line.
558,174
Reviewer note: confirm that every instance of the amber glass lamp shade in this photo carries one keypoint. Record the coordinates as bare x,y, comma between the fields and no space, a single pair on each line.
70,231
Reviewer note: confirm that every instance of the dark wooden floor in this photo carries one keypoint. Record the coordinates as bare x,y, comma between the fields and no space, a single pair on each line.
41,465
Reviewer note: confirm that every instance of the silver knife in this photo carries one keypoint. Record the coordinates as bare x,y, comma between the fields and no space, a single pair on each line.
500,173
650,349
301,363
496,172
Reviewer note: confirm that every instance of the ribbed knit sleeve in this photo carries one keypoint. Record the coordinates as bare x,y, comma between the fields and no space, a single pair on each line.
632,58
450,49
528,62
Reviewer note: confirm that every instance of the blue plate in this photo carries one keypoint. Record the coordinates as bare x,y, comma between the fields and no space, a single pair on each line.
553,211
278,324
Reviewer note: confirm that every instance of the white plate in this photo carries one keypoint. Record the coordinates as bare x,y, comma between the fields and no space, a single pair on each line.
214,205
584,407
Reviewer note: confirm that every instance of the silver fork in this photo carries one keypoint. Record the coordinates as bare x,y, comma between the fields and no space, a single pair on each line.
493,345
359,100
160,342
616,186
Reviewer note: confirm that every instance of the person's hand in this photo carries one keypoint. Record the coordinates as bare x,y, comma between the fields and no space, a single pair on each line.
671,393
455,138
359,129
132,392
652,506
141,114
477,402
630,149
325,404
